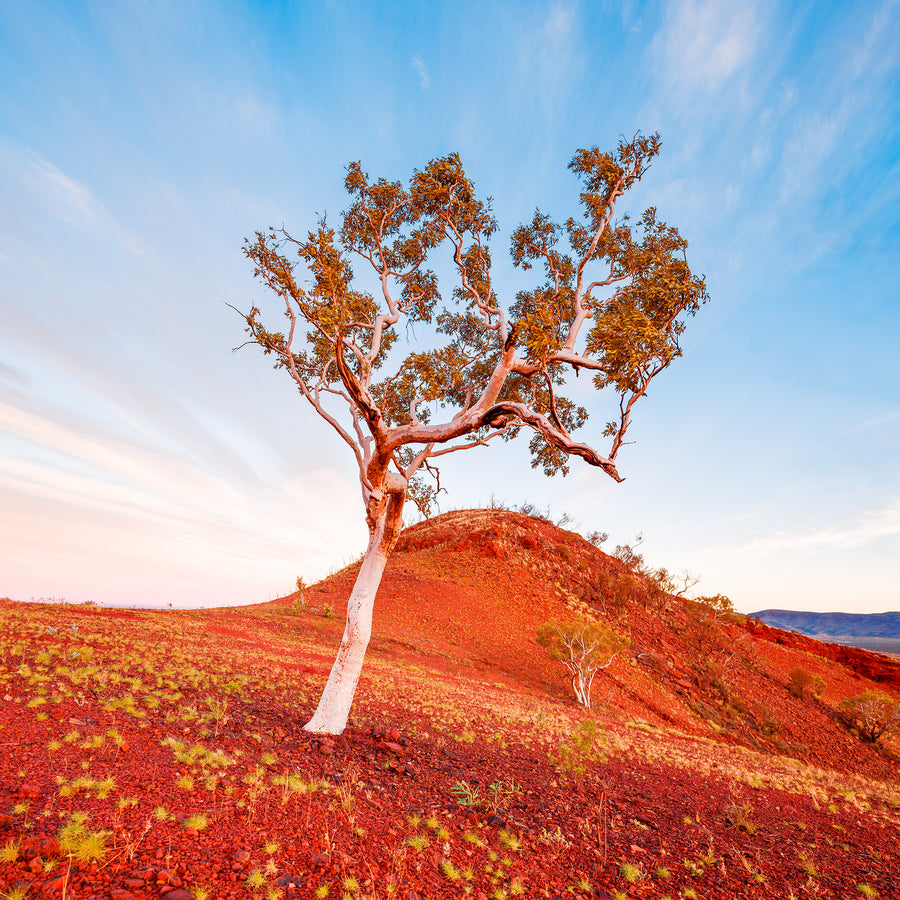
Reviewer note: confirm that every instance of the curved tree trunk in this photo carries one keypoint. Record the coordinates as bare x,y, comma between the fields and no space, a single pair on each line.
385,523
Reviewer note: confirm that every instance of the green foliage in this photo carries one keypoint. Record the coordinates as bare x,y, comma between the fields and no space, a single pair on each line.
874,713
583,646
501,793
571,758
465,793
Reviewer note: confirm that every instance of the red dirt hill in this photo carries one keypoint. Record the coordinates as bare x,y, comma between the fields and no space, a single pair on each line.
467,590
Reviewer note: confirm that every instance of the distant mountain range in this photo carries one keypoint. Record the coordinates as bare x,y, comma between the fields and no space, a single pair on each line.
873,631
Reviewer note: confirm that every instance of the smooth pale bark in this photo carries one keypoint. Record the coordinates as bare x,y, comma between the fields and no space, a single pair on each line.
385,523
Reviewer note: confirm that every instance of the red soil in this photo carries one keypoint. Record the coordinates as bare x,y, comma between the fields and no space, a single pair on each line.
714,778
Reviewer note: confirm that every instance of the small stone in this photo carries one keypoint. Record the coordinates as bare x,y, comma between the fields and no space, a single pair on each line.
320,861
134,884
54,884
241,857
178,894
40,845
391,747
30,790
121,894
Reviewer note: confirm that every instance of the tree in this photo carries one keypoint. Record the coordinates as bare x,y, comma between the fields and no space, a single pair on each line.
875,713
716,606
584,646
613,305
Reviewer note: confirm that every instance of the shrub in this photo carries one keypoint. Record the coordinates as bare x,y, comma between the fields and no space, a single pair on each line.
799,681
571,757
77,841
630,872
629,557
739,817
874,713
818,686
768,725
583,646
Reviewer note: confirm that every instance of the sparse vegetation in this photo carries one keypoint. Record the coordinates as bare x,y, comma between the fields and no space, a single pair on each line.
874,713
384,795
630,872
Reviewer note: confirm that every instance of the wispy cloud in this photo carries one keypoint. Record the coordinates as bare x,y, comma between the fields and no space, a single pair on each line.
872,525
549,59
55,477
846,111
62,196
876,422
75,197
705,42
10,374
419,66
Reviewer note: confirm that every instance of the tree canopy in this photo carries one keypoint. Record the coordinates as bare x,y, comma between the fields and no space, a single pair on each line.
614,302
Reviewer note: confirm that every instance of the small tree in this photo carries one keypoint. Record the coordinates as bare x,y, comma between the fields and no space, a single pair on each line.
584,646
716,606
874,713
613,305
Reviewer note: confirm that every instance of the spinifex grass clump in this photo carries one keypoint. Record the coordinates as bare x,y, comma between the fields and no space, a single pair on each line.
78,842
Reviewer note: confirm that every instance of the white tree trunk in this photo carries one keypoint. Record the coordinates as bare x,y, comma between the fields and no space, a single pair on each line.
331,714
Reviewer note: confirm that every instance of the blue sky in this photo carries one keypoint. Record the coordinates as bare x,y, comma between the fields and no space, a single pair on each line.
141,461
